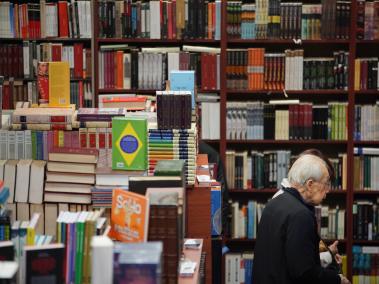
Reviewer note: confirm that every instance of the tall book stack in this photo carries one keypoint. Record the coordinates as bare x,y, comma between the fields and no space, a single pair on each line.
175,144
71,175
166,225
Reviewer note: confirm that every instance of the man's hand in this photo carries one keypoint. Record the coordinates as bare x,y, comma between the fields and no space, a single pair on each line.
334,247
344,280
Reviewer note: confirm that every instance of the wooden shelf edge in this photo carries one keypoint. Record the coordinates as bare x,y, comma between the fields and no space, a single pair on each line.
365,242
160,41
143,91
366,192
55,39
288,41
298,92
289,142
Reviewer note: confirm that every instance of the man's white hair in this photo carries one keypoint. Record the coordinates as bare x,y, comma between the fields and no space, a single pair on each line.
304,168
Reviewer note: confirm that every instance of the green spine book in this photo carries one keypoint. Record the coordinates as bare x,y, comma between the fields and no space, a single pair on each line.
129,140
169,168
34,145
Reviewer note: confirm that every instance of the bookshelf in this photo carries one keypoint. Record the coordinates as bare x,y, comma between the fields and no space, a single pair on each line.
47,36
317,47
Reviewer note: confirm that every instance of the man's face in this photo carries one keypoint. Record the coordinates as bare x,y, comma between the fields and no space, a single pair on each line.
317,190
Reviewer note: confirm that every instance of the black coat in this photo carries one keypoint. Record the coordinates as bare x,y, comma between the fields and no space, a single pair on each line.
287,246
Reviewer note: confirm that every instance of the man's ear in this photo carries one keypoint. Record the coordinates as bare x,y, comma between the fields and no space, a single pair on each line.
309,183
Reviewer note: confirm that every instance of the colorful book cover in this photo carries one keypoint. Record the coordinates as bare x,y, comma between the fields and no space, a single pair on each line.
59,84
129,140
43,82
130,216
183,81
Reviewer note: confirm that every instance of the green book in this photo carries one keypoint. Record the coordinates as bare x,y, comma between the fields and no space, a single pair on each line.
34,145
169,168
129,141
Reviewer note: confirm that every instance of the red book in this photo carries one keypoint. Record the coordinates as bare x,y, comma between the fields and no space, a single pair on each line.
56,52
173,9
290,121
204,71
170,20
78,59
6,97
75,139
213,71
63,19
67,139
55,138
43,82
83,138
102,139
78,151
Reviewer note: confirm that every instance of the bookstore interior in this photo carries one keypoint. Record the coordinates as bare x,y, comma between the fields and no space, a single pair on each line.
140,141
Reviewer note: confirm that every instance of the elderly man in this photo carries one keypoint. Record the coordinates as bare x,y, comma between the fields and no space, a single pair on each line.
287,247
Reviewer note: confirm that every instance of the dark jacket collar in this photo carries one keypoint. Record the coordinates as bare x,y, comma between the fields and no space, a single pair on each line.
297,195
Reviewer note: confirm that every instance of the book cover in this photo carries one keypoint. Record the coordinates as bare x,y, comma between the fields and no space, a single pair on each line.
183,81
129,140
44,264
130,216
59,84
43,82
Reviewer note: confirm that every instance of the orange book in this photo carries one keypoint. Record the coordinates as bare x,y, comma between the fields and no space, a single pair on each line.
119,70
210,17
130,216
63,19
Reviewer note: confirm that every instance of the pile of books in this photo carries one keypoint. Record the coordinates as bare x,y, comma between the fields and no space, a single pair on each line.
71,175
175,144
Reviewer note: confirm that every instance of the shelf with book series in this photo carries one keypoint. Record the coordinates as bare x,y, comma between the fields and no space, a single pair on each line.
47,39
273,191
246,241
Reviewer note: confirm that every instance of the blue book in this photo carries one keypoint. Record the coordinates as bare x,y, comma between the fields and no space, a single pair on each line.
218,21
216,211
250,219
183,81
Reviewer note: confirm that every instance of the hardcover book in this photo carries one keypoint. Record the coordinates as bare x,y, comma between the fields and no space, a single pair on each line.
59,84
44,264
183,81
129,140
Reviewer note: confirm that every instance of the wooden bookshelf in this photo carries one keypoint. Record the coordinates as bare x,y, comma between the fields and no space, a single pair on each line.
287,142
143,41
287,41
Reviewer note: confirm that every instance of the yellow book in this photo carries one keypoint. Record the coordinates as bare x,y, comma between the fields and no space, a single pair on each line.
59,84
31,229
355,279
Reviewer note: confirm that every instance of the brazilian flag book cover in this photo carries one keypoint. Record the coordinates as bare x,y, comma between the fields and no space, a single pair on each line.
129,141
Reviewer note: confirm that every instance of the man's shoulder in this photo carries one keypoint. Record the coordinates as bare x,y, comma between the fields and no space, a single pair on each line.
290,203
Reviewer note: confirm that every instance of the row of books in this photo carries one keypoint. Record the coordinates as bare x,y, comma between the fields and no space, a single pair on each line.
365,264
330,222
245,219
365,220
173,145
366,122
31,20
366,74
256,69
258,170
123,67
160,19
275,20
210,122
367,20
239,267
259,120
366,165
17,92
264,170
77,55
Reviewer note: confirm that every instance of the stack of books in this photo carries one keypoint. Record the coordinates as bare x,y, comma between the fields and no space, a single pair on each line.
71,175
175,144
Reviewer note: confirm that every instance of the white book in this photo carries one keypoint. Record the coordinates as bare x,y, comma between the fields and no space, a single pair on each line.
155,17
22,180
101,260
172,62
3,144
20,137
2,168
37,175
26,59
38,209
206,49
28,144
89,19
127,70
51,214
11,147
10,178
